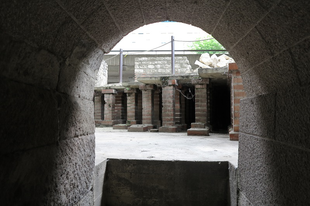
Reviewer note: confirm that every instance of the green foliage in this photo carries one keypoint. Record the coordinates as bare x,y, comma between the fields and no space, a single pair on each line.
211,44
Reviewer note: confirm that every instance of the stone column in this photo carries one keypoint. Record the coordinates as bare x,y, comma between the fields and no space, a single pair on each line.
237,93
199,127
99,108
131,105
109,107
147,105
168,112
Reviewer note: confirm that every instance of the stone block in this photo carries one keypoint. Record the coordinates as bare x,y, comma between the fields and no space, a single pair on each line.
169,129
301,57
99,175
29,117
76,117
292,117
121,126
251,51
79,75
35,22
197,125
279,27
257,115
109,91
275,74
272,172
239,19
138,128
101,26
198,132
156,10
233,184
23,63
153,130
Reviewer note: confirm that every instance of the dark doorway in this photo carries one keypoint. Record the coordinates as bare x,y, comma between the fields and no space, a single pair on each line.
219,106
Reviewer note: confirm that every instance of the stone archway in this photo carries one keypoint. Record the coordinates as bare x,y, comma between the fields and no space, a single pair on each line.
50,53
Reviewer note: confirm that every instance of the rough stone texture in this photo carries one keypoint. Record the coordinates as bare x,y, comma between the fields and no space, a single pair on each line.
171,129
289,107
143,182
99,175
76,117
272,173
102,76
102,27
19,102
120,10
244,18
251,51
21,62
269,77
74,167
78,76
138,128
233,184
257,115
279,27
301,57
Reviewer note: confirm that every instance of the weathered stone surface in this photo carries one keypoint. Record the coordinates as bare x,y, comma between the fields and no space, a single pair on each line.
138,128
29,117
121,9
292,114
233,184
251,51
76,117
73,174
99,175
275,74
153,11
279,27
238,19
102,27
143,182
301,58
78,76
169,129
23,63
257,115
36,22
271,173
26,175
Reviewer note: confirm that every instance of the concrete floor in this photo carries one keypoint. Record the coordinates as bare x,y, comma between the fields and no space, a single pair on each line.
164,146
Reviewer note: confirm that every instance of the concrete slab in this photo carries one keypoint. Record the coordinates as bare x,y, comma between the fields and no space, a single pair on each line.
164,146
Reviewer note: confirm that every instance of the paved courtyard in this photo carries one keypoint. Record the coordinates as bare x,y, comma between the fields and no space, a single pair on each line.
164,146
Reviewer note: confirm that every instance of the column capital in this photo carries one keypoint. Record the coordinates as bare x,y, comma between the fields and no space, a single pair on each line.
109,91
200,81
147,87
130,90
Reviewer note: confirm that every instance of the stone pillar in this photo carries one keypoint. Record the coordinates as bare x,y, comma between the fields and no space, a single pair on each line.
200,127
237,93
120,117
147,104
131,106
168,112
109,107
99,108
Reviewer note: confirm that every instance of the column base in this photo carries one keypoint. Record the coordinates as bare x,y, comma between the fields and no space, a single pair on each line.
120,126
198,129
105,123
234,136
140,128
169,129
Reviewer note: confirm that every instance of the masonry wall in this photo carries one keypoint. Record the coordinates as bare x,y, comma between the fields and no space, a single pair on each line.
51,51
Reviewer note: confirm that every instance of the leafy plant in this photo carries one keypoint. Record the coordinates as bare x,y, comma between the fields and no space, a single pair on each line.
209,44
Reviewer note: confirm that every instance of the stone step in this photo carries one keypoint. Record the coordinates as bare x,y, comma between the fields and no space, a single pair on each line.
197,125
